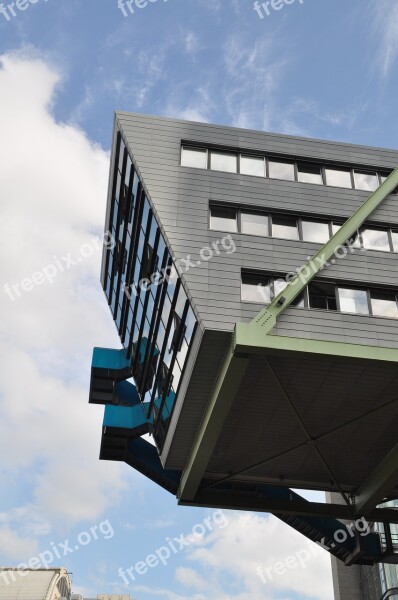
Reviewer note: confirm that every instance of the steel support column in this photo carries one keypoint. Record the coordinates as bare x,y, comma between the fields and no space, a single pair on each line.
380,482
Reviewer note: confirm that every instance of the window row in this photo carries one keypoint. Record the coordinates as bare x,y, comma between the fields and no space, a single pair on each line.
288,170
262,289
251,222
156,323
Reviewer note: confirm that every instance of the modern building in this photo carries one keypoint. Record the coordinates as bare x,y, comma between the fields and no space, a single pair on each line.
253,280
34,584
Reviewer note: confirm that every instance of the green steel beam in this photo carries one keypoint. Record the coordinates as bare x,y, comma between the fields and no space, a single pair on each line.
288,507
249,340
380,483
229,380
234,366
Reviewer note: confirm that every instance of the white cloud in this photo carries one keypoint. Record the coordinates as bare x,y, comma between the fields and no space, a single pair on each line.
385,31
235,552
15,546
190,578
53,191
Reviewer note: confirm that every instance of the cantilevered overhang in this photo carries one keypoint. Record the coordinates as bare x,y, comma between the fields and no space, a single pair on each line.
306,414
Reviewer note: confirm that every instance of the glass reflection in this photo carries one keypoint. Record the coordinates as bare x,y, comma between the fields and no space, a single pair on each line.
315,231
384,304
252,165
375,239
254,223
338,177
353,301
310,174
194,157
285,228
281,170
224,161
366,181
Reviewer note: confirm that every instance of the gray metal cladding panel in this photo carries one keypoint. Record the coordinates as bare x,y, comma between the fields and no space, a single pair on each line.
325,325
159,128
202,379
328,394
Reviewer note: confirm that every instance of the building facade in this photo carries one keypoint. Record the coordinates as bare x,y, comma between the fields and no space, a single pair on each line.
253,282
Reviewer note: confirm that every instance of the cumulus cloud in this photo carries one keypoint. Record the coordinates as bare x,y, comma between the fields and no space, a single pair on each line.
234,554
53,195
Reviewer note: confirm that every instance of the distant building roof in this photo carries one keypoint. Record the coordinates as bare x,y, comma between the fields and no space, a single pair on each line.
34,584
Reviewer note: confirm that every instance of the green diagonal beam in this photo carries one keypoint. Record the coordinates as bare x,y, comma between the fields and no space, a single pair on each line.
234,366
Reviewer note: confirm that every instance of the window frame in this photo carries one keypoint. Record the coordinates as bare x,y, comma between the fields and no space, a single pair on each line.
195,148
261,277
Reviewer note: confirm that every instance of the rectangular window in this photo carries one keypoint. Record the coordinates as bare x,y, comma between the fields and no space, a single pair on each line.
375,239
252,165
285,228
384,304
338,177
254,224
366,181
223,219
194,157
279,169
146,267
353,301
281,284
178,335
119,256
224,161
315,231
322,296
395,240
256,288
310,174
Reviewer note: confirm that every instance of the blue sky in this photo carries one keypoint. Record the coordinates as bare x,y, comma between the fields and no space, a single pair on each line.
322,69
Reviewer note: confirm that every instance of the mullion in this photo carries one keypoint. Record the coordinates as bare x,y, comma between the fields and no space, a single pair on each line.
170,373
369,298
113,206
146,238
126,300
352,179
390,240
295,170
166,338
134,243
164,287
146,302
157,315
119,223
123,323
300,228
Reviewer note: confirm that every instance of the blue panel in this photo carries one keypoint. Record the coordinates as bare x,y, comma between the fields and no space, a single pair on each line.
124,417
109,359
126,394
